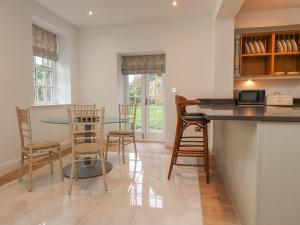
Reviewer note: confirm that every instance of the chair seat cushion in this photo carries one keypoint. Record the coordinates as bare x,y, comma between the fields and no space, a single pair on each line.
38,145
120,133
88,148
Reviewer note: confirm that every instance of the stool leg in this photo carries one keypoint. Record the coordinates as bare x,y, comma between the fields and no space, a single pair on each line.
175,147
206,153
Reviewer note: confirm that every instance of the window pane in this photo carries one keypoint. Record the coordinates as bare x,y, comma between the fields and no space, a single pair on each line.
39,77
40,94
48,81
38,60
49,94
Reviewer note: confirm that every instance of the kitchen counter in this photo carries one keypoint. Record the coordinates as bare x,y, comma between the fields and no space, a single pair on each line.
257,152
217,111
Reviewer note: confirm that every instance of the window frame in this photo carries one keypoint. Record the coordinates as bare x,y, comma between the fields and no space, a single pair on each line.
44,86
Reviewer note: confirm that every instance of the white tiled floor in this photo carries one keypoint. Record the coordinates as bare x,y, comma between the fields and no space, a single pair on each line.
139,194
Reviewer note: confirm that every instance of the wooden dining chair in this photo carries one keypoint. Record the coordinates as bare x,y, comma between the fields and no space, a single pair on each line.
126,133
33,149
89,146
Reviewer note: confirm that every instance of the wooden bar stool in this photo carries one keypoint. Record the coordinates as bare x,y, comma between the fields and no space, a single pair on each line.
190,146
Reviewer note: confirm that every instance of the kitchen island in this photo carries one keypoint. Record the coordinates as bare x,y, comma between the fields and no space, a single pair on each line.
257,152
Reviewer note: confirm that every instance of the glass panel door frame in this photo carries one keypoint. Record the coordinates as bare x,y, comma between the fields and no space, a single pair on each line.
140,99
151,99
143,126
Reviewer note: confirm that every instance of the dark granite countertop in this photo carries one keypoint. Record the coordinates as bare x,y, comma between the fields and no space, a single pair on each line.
228,111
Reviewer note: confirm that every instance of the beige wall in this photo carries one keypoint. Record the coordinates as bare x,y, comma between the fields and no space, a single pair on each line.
15,71
188,45
16,82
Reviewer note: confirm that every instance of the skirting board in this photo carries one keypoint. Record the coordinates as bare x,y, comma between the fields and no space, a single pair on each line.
14,164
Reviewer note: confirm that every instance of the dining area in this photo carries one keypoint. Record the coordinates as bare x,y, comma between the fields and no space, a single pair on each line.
104,178
89,151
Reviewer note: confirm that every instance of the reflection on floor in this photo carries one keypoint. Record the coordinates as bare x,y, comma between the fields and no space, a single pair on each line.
139,193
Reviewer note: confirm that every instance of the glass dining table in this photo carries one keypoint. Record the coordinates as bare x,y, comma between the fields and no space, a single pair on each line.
88,168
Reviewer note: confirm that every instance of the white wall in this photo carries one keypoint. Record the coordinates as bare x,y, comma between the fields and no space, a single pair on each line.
224,58
188,45
16,83
270,18
274,20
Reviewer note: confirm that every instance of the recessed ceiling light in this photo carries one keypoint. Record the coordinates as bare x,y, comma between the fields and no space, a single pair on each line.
91,13
174,3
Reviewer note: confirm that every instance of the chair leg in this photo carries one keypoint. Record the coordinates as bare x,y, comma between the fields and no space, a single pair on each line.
123,150
134,144
76,169
60,164
21,167
51,162
103,170
72,174
106,149
30,174
119,146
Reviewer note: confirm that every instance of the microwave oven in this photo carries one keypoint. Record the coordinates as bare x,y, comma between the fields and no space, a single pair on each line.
250,97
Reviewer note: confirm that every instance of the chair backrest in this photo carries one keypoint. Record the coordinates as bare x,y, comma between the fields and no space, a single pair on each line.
182,103
127,116
82,106
87,122
24,123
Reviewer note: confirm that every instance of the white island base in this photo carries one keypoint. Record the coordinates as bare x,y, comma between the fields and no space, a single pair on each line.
259,163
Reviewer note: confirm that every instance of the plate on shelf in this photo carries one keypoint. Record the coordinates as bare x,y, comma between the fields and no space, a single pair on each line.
251,46
262,47
294,45
279,73
284,46
293,73
279,46
256,47
289,45
247,49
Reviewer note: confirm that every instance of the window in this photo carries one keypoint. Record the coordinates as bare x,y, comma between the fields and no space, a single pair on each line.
44,80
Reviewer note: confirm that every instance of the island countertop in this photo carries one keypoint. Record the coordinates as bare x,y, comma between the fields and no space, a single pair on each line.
225,111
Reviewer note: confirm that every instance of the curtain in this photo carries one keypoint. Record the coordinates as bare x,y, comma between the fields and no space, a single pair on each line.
44,43
143,64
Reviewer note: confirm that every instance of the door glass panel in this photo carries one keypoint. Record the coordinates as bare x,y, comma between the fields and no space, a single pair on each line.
135,97
155,103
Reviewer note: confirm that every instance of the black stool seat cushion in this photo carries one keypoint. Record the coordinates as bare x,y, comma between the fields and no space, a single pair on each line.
197,118
194,114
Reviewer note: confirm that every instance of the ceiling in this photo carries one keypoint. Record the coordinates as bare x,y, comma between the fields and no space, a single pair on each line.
260,5
111,12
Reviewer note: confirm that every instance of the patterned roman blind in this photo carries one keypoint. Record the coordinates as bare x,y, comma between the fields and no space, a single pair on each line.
44,43
143,64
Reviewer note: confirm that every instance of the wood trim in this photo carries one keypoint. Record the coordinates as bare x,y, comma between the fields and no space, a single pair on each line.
13,175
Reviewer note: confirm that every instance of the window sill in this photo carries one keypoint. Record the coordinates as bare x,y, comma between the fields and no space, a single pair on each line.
49,105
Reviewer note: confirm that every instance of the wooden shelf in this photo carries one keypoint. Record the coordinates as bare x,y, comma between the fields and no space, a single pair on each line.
269,77
256,55
287,53
252,66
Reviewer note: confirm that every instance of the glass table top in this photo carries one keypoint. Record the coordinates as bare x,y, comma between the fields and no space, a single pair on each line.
107,120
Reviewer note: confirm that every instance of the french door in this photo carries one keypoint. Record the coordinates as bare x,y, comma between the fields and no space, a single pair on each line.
146,90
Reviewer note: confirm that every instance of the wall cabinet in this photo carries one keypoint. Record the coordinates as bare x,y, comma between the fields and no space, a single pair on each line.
272,54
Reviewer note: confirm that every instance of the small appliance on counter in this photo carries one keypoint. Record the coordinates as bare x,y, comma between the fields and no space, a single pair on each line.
278,99
250,97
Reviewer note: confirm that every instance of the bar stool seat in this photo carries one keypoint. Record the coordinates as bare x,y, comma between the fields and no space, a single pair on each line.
195,118
190,146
